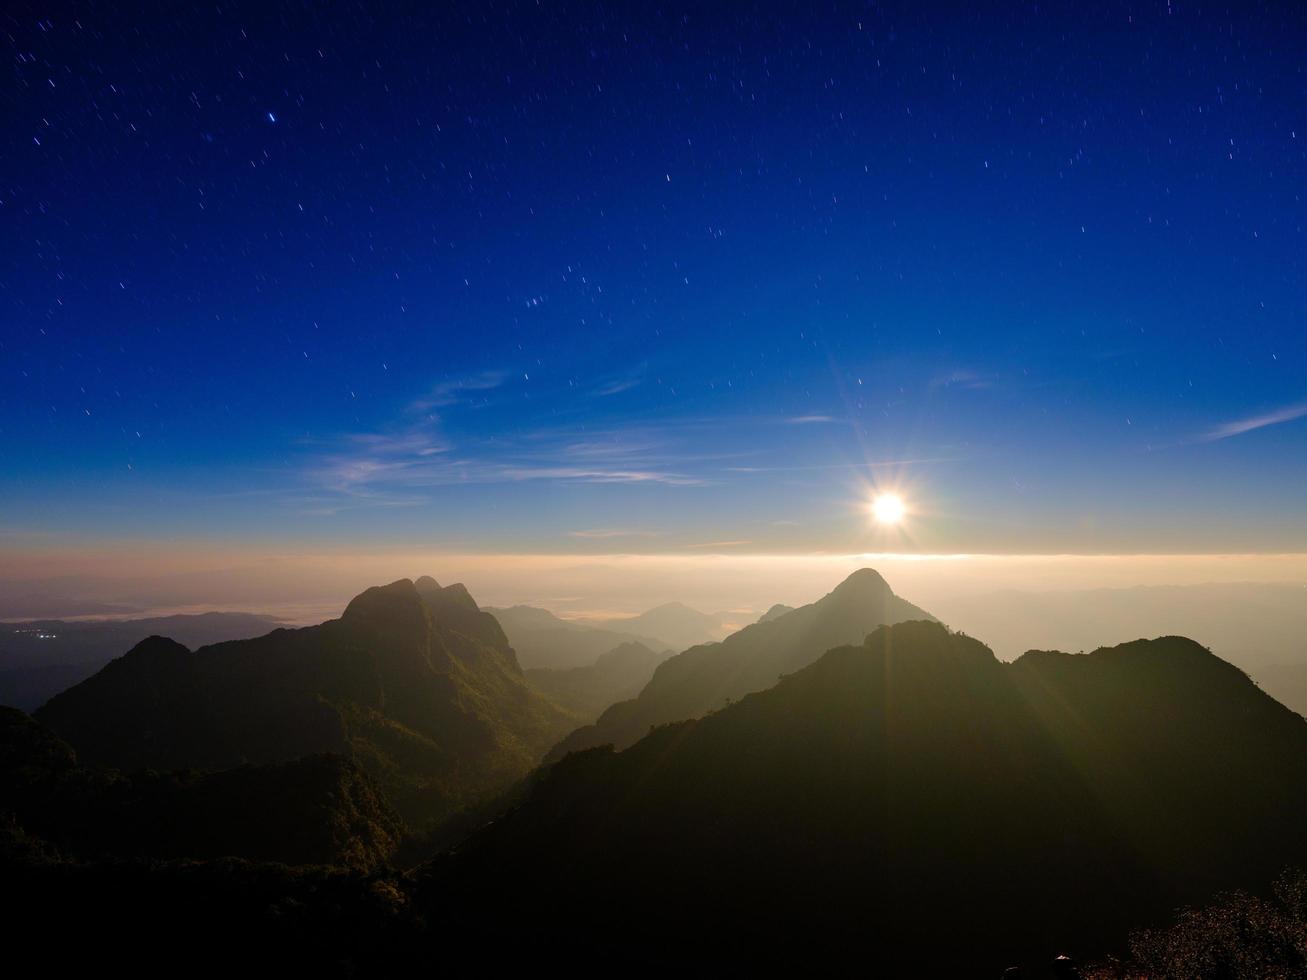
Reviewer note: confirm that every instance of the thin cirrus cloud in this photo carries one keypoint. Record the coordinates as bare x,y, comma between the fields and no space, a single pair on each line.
1239,426
604,533
458,389
405,466
616,387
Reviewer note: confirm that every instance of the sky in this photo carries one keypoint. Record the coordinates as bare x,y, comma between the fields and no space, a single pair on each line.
685,280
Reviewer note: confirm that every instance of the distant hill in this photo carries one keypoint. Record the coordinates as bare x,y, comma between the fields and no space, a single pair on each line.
40,658
413,682
911,798
706,677
543,640
675,622
619,674
1252,625
775,612
315,810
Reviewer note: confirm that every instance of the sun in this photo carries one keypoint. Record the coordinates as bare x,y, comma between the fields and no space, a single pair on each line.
888,508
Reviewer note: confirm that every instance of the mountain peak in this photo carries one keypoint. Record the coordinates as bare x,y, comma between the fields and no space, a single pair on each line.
381,600
425,584
775,612
157,648
865,582
458,593
673,606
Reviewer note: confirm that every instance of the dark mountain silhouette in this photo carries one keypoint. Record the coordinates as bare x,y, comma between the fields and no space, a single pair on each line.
316,810
775,612
40,658
619,674
1203,772
675,622
543,640
413,682
915,801
707,677
1251,624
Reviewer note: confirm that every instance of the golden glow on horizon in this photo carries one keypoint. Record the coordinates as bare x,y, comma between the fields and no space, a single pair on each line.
888,508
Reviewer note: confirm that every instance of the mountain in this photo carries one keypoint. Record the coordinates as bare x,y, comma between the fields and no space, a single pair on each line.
675,622
414,683
40,658
619,674
1253,625
706,677
316,810
543,640
911,801
775,612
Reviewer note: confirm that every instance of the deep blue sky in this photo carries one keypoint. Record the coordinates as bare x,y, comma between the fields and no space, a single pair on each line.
569,277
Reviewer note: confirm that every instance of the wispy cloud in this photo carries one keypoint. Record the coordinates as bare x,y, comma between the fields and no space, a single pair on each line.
582,474
612,532
809,419
868,464
720,544
616,386
1238,427
405,466
963,378
452,391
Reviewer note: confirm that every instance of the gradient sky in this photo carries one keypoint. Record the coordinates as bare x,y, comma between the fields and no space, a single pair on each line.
580,279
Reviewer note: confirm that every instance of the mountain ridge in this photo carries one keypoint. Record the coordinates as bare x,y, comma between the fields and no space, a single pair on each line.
909,793
421,689
705,677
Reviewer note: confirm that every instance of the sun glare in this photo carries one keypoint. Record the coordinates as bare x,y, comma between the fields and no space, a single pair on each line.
888,508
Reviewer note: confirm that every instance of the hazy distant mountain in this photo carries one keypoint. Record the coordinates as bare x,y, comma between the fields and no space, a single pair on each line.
40,658
40,605
413,682
709,676
1252,625
619,674
914,799
315,810
543,640
679,625
775,612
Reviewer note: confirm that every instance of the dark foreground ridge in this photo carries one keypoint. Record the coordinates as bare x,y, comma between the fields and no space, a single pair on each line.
912,794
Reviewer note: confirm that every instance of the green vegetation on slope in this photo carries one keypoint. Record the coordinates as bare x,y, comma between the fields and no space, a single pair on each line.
413,682
316,810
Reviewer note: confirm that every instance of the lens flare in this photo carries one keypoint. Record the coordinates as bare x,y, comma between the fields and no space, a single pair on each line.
888,508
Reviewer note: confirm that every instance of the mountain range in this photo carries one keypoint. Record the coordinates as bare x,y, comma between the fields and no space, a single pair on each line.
617,675
41,657
914,801
414,683
542,640
677,624
846,779
707,677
